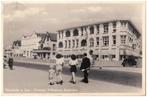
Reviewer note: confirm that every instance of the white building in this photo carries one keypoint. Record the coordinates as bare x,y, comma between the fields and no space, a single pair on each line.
42,45
30,42
111,40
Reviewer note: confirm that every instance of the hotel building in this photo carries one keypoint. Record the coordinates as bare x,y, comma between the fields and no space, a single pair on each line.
110,40
38,44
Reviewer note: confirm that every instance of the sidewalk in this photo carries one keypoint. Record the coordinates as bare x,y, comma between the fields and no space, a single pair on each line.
95,67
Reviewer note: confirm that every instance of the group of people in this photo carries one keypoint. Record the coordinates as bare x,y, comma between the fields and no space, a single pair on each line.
8,61
55,71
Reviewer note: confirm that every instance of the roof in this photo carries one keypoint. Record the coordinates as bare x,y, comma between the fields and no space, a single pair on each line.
17,42
97,23
52,36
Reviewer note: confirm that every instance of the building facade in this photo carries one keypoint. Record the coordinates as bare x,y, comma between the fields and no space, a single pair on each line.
111,40
39,45
47,46
16,47
30,42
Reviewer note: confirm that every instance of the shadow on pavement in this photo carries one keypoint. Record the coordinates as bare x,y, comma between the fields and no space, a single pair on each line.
118,77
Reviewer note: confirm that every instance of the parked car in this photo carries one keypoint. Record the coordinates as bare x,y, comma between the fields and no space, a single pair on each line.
130,61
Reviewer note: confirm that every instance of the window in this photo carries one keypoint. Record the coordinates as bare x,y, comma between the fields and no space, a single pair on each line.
60,45
105,28
97,27
114,39
97,41
105,40
62,34
83,42
65,44
77,43
114,27
104,56
123,23
69,43
123,39
73,45
54,46
67,33
59,34
81,31
113,56
91,42
75,32
91,30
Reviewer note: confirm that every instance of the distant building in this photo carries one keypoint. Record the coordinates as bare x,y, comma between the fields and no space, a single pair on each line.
8,51
16,48
30,42
41,45
110,40
47,47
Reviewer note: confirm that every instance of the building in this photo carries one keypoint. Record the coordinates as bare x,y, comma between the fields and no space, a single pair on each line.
30,42
47,47
8,51
16,48
111,40
39,45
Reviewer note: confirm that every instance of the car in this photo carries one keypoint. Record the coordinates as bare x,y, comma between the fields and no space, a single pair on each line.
130,61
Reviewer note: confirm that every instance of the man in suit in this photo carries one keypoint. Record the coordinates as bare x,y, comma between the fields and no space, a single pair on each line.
85,67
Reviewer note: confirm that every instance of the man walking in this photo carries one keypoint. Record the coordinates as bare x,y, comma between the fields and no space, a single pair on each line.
10,62
85,67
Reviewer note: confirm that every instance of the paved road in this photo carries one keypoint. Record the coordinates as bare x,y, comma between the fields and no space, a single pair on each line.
33,78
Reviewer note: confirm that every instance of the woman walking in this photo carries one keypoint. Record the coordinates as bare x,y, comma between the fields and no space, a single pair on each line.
59,67
73,69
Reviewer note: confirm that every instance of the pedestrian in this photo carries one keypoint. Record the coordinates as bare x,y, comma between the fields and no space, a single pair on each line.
10,62
51,74
85,67
91,57
73,69
5,63
59,67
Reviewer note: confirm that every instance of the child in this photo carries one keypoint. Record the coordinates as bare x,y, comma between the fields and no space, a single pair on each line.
51,75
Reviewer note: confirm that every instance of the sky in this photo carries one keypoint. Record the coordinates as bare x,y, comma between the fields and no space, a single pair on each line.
22,18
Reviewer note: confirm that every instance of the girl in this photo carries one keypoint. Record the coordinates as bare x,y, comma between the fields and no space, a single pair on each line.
73,69
51,75
59,66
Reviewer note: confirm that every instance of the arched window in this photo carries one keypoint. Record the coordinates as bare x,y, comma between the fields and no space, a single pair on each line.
60,45
91,42
83,42
91,30
75,32
67,33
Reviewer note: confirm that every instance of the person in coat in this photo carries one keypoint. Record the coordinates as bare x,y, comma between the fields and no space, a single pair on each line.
85,67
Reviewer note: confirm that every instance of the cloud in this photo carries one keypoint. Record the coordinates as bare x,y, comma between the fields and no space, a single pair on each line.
90,9
20,14
26,18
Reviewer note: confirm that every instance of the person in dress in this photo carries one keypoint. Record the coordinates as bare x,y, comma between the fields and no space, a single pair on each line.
52,74
59,67
73,69
85,67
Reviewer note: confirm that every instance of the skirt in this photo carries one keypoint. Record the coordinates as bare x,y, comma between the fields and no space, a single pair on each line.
73,69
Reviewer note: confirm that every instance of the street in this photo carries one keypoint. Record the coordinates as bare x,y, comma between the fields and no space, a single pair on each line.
34,78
